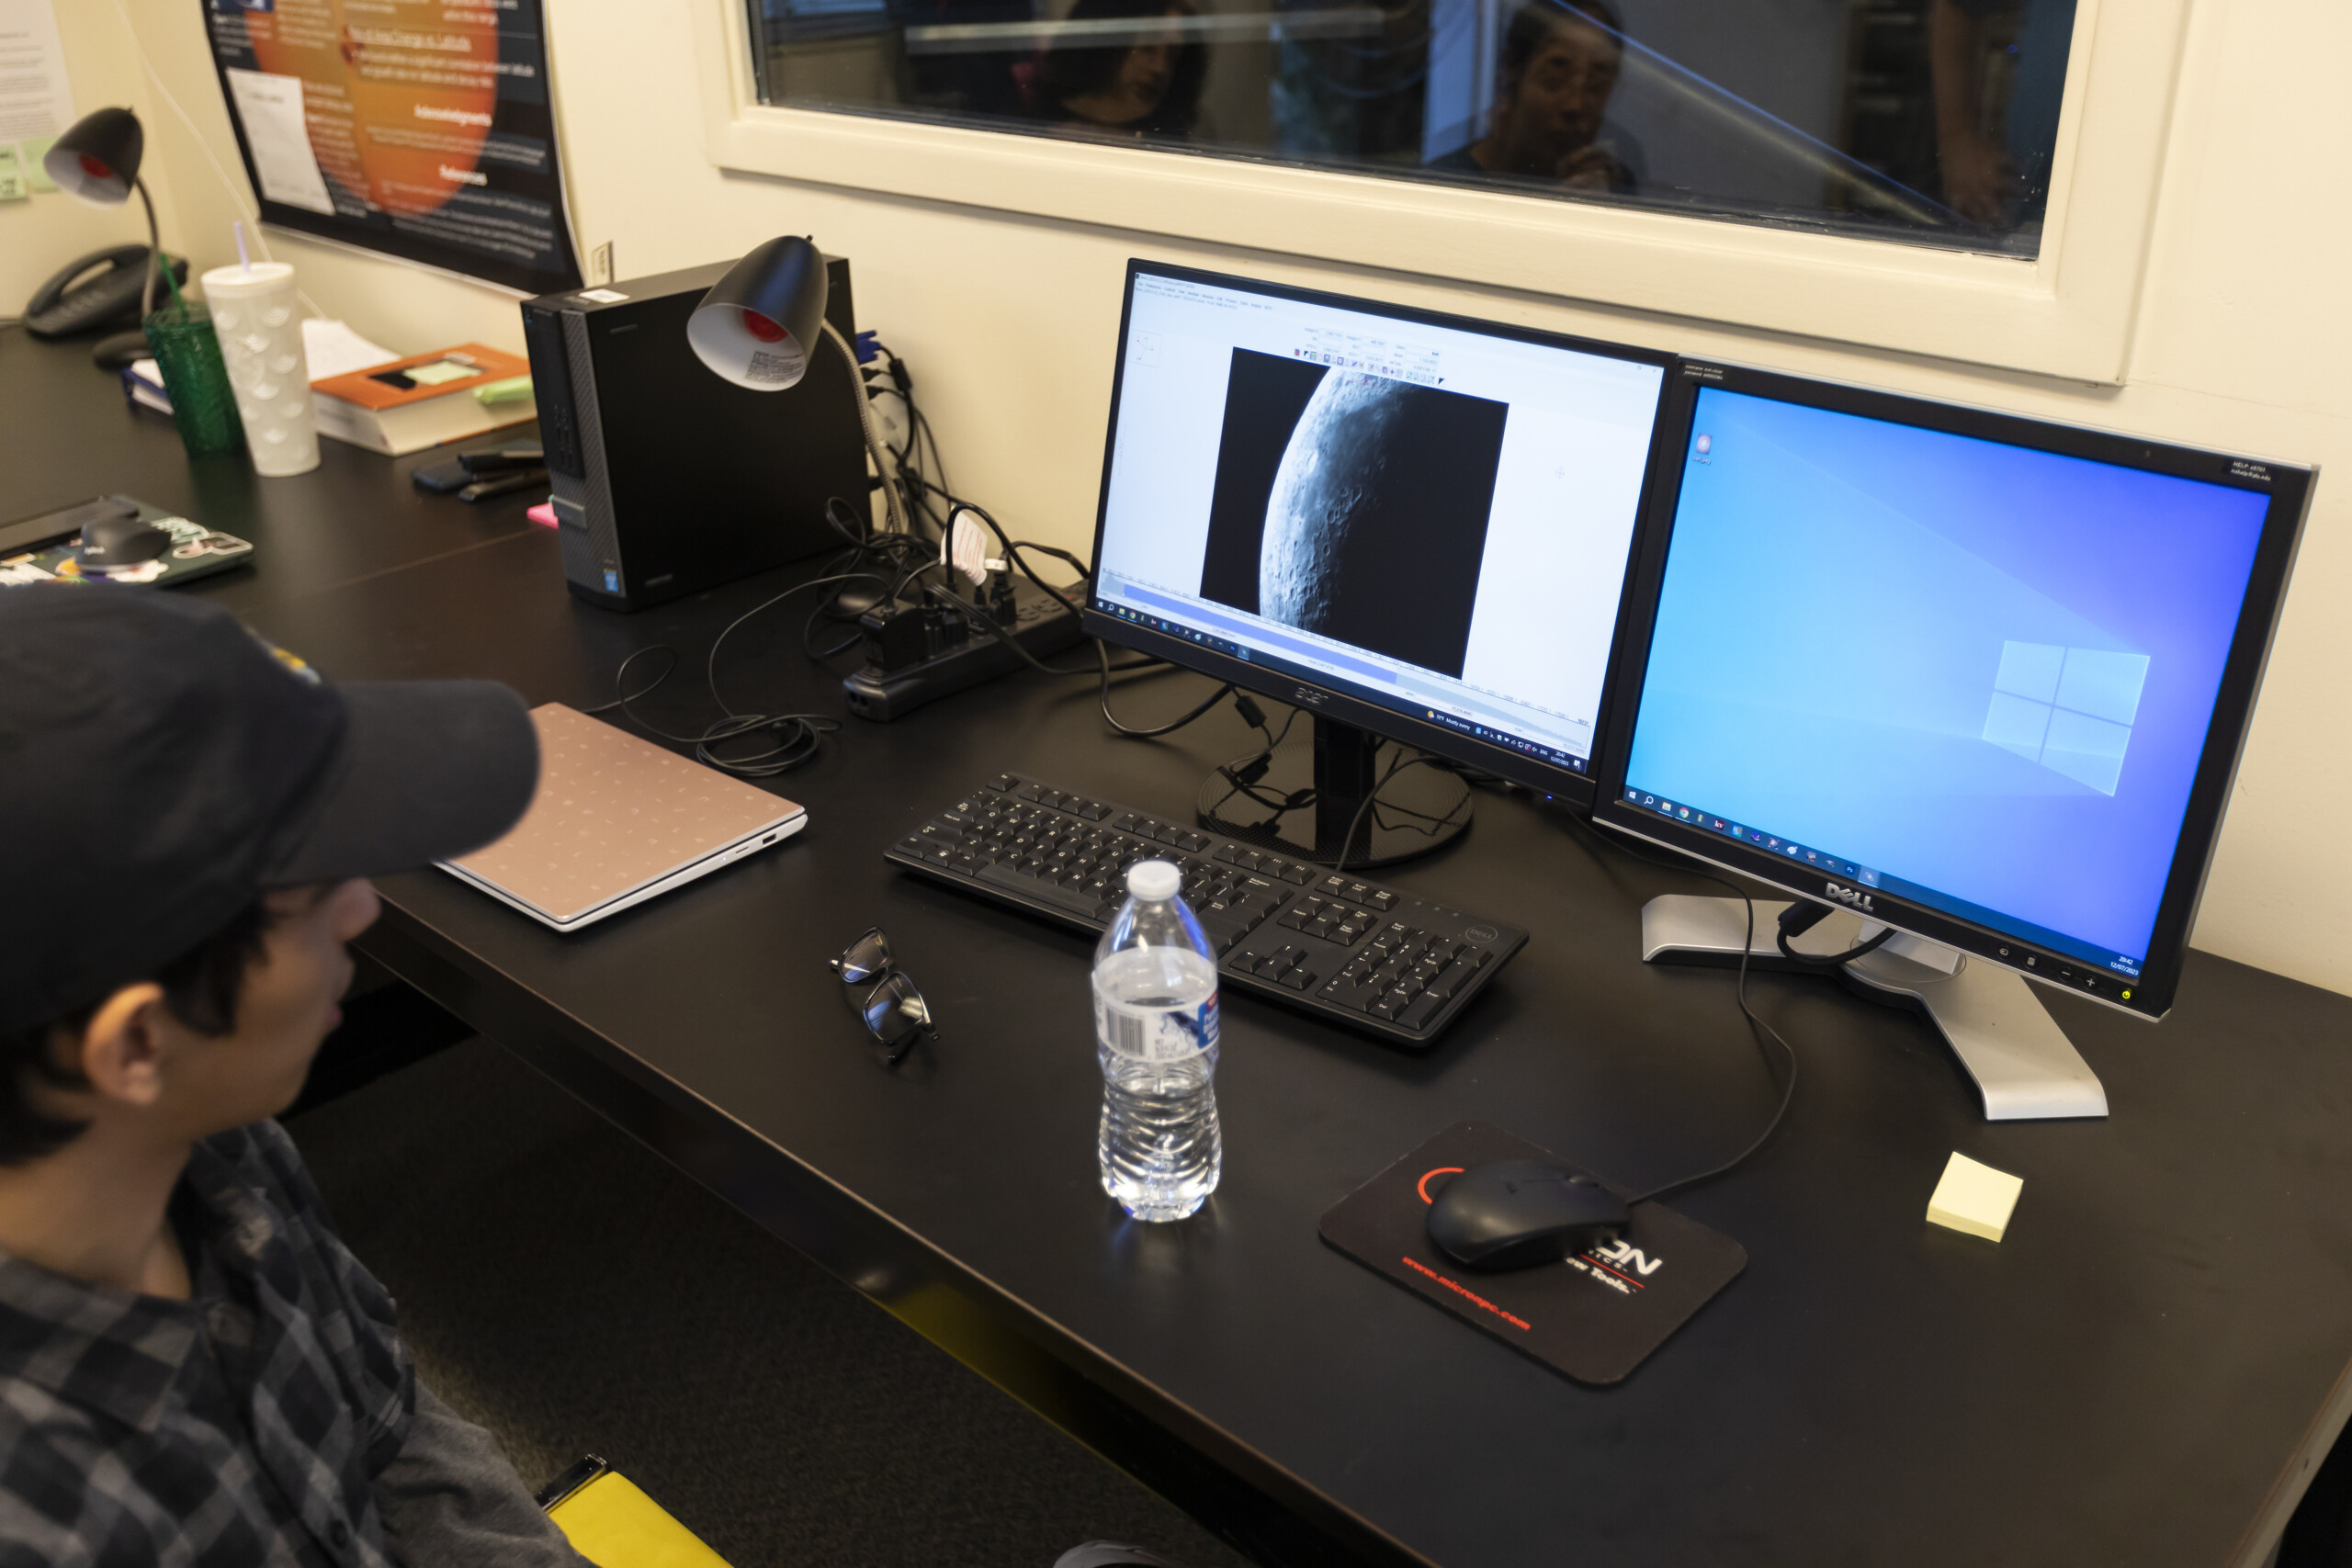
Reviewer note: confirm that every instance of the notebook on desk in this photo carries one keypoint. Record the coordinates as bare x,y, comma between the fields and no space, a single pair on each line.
617,820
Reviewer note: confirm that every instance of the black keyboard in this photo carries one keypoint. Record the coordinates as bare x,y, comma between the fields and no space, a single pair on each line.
1352,951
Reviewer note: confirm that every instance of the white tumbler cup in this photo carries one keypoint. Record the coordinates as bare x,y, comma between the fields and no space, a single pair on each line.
259,323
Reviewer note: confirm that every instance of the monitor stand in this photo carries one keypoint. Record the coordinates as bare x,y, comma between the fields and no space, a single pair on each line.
2024,1065
1346,764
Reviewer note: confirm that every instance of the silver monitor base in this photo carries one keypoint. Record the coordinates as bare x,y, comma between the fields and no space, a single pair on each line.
2024,1067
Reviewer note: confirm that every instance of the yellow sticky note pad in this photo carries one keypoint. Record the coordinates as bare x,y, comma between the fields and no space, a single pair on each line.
1974,1198
34,149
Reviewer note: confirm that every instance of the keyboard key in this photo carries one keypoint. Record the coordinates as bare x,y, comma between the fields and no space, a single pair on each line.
1049,850
1071,900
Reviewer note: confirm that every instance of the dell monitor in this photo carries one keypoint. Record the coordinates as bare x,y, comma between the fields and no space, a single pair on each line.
1409,524
1975,677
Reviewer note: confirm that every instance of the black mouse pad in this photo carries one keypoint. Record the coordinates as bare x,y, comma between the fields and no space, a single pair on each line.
1595,1316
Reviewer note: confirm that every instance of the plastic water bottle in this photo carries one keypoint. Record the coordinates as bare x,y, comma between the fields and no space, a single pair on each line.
1155,1030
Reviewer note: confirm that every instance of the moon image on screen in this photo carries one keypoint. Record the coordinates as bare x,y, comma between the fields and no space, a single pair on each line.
1330,478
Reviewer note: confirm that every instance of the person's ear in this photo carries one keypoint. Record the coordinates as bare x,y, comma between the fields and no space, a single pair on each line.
120,1053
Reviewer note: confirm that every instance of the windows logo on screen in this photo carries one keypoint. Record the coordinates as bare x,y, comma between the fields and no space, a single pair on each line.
2069,709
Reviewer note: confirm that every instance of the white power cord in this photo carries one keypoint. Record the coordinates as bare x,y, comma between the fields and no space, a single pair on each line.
251,212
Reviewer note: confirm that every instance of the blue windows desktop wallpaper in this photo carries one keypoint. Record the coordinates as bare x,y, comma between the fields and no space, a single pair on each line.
1983,670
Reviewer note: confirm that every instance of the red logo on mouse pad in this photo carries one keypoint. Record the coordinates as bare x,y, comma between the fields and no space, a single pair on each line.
1596,1316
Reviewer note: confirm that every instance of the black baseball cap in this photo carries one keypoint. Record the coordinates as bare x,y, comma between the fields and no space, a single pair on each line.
160,766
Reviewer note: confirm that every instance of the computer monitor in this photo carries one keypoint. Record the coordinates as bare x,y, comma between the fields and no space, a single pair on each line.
1978,678
1404,522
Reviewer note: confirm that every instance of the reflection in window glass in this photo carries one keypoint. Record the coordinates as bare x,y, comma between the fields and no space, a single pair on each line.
1927,120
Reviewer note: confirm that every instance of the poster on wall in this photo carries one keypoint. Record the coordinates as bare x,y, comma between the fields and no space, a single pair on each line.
422,129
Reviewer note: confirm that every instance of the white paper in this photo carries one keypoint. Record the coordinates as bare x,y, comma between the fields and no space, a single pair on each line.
35,98
333,349
270,108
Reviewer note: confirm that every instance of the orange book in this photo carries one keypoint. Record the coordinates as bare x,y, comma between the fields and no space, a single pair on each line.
406,405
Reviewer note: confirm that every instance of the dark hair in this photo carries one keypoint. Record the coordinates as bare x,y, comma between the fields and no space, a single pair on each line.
1536,23
201,987
1067,73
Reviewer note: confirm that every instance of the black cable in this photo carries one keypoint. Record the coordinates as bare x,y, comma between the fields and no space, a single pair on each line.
1828,960
1437,825
1789,1086
798,736
1103,651
1234,773
1013,552
987,623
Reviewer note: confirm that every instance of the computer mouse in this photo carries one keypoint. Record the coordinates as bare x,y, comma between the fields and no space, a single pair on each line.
122,541
1517,1212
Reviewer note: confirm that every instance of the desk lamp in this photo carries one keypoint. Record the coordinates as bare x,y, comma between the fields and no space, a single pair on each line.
754,329
98,160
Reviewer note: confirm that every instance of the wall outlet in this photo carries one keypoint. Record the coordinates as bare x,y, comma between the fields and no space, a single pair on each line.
600,265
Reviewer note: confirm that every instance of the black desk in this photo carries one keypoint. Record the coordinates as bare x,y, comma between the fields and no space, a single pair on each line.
2143,1372
71,435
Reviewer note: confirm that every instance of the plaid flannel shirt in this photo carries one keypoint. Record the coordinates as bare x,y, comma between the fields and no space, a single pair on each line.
246,1425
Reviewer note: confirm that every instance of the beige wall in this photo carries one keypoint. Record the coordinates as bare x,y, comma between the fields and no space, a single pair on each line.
1007,322
41,234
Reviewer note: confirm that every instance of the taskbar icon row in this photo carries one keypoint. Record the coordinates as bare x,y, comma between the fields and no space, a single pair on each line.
1213,643
1506,739
1820,860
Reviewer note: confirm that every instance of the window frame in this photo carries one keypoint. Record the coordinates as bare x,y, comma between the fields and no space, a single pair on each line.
2067,312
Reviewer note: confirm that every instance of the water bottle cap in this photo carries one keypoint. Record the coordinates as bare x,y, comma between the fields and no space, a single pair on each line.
1154,879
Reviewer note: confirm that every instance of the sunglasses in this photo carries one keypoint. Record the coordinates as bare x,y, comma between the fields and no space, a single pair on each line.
894,1012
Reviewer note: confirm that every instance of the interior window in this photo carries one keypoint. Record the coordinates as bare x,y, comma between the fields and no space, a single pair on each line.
1929,121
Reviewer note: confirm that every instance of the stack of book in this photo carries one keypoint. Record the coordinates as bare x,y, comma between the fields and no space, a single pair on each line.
388,404
426,400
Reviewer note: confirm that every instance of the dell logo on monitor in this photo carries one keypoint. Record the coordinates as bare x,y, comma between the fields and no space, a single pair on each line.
1853,896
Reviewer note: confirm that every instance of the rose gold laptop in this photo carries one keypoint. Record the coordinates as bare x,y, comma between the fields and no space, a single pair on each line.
617,820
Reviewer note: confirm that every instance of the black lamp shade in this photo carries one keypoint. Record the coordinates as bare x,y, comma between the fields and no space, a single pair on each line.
98,158
758,325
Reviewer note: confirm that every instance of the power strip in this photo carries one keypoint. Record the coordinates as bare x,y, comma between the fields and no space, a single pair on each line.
1042,624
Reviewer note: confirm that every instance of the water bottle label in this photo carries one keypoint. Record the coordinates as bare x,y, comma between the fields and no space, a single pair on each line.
1155,1034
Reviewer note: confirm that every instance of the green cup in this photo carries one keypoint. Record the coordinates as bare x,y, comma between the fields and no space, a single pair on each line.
196,380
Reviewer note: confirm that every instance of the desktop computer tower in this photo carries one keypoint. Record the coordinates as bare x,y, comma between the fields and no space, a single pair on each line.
668,479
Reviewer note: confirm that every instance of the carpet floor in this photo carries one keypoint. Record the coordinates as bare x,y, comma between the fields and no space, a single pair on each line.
571,1291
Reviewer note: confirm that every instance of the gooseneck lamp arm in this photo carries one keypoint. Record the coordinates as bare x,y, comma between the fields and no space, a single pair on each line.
757,325
893,503
154,253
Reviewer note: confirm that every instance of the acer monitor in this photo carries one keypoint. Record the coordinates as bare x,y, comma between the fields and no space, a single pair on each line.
1978,682
1414,526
